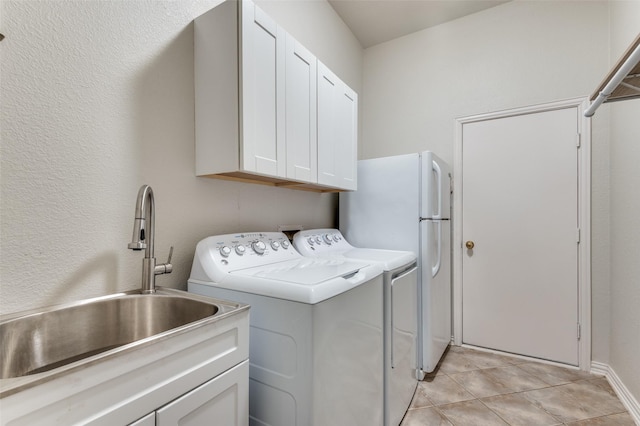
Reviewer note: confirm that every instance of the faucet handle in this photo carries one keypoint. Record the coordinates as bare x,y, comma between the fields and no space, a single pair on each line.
165,268
170,254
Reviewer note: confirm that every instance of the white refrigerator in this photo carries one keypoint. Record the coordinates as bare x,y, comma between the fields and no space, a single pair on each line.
403,203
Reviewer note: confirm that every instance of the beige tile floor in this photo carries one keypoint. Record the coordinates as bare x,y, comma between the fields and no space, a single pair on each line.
477,388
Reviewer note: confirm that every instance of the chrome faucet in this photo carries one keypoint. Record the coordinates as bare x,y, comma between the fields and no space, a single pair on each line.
143,238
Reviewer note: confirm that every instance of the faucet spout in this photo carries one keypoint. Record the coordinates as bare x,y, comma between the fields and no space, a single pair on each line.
145,208
143,238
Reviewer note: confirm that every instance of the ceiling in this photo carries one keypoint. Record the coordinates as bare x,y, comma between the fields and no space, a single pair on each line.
376,21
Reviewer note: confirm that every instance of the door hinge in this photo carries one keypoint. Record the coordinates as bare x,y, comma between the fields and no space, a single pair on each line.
578,236
579,331
578,140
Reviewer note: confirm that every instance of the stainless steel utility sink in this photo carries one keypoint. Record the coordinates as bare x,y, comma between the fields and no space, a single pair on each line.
43,342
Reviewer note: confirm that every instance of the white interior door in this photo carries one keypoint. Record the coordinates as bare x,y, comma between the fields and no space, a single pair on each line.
520,211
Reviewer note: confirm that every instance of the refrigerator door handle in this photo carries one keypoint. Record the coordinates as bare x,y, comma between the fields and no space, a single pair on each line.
438,183
436,268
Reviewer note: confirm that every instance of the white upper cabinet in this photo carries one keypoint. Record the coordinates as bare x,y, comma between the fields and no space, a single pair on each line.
301,118
263,77
337,131
239,92
262,114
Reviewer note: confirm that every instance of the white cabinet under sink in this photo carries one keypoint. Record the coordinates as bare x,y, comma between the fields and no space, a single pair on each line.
148,420
223,400
264,111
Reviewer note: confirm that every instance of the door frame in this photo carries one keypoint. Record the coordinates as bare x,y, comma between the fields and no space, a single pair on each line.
584,217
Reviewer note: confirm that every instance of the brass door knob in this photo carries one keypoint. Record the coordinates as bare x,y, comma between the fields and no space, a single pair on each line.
469,245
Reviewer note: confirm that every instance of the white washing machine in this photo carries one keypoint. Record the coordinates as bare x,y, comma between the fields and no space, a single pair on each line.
316,328
400,311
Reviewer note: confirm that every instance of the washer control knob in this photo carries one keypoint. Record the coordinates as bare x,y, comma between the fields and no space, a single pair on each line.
318,240
285,244
259,247
225,251
310,241
327,238
275,245
336,238
240,249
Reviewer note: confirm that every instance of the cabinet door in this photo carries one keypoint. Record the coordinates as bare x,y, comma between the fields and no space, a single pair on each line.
263,43
301,121
337,131
223,400
148,420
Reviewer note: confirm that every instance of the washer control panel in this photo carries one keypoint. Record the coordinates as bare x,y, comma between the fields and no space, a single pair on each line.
315,241
246,250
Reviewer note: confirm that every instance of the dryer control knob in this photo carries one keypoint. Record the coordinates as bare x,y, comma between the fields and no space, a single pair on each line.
310,241
285,244
327,238
225,251
259,247
275,245
336,238
318,240
240,249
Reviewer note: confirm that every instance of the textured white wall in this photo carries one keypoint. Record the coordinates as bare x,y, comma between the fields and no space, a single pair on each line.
625,204
97,99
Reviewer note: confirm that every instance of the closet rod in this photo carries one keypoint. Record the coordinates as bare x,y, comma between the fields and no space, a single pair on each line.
617,78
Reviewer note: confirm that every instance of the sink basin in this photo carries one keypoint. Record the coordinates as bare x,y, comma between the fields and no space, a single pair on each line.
40,343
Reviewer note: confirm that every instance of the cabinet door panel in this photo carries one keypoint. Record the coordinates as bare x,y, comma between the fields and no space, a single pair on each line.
223,400
347,138
301,127
327,117
337,131
148,420
262,93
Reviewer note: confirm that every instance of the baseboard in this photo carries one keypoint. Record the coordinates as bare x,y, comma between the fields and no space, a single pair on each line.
628,400
599,368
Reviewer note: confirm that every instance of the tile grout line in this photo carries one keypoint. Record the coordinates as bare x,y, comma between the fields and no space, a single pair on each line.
444,415
549,386
497,414
469,366
480,399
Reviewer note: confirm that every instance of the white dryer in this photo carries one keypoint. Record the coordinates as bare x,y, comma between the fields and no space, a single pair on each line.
316,328
400,311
